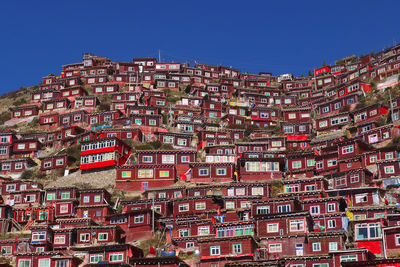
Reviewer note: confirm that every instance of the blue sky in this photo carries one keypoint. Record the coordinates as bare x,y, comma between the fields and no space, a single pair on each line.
37,37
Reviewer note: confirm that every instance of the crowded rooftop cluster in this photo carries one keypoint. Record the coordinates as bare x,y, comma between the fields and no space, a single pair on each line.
205,165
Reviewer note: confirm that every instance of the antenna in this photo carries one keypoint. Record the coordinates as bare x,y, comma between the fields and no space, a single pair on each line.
159,55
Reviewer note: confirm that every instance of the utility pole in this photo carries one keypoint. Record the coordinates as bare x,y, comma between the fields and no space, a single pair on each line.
152,219
391,103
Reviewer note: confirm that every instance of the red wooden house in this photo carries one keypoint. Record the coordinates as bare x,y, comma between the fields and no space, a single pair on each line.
56,162
105,88
332,122
93,204
46,258
368,234
305,184
48,120
370,113
72,92
42,95
24,111
64,200
211,172
72,118
6,140
146,120
109,255
96,79
353,178
88,103
299,164
186,206
122,133
26,148
327,163
217,251
251,169
104,152
16,165
141,177
363,196
379,135
89,235
283,223
56,104
388,168
29,214
137,224
339,105
177,140
296,114
304,128
102,117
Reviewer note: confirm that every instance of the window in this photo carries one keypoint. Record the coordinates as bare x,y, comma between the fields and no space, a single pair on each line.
367,231
6,250
316,246
237,249
183,207
361,198
263,209
86,199
51,196
331,207
24,263
272,228
333,246
221,171
164,174
314,210
319,165
348,149
257,191
397,239
183,232
331,223
230,205
59,239
296,225
84,237
296,164
38,236
203,230
284,208
200,205
320,265
97,198
332,162
389,169
59,162
274,248
145,173
189,244
64,208
215,250
103,236
139,218
44,263
65,195
389,155
116,257
354,178
348,258
96,258
203,172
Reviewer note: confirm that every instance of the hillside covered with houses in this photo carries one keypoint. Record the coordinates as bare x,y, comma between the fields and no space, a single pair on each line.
149,163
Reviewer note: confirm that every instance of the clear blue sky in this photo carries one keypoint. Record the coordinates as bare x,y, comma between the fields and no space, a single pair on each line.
37,37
